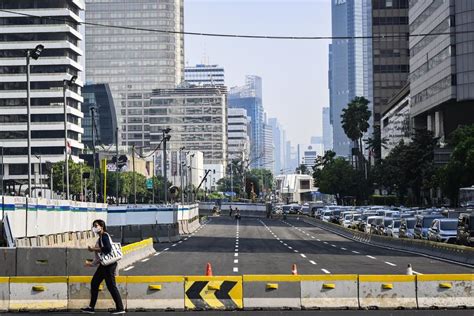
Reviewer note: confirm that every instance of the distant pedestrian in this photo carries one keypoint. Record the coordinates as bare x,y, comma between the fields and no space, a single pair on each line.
237,214
230,210
107,272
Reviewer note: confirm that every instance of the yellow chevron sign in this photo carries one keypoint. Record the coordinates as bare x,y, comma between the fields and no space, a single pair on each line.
218,292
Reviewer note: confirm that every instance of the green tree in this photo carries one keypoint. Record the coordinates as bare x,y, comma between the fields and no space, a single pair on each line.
321,162
303,169
76,183
459,172
375,143
355,122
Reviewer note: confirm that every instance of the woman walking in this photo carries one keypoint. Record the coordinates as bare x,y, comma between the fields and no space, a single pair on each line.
107,272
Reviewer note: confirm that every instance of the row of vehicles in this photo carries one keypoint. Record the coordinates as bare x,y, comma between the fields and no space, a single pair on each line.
428,224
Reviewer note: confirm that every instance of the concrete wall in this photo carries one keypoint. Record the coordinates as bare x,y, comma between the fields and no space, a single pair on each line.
246,209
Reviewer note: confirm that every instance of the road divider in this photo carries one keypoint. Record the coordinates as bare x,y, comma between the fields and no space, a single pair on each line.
329,291
272,291
135,252
248,292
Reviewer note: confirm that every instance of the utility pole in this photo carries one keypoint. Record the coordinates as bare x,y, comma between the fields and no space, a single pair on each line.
165,139
231,182
181,174
134,177
116,167
93,152
153,180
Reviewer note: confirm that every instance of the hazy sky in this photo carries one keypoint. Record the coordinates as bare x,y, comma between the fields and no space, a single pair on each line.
294,73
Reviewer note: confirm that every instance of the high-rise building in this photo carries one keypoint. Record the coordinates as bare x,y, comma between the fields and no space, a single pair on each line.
59,61
327,129
249,97
268,149
197,117
135,62
441,65
390,53
278,145
98,98
205,75
238,140
350,63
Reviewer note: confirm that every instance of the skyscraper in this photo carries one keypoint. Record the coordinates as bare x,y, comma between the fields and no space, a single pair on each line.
327,129
249,97
441,65
238,139
390,54
349,63
205,75
59,61
268,161
135,62
278,145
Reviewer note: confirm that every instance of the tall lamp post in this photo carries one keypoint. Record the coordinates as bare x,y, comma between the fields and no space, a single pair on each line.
66,84
40,175
165,139
92,109
35,54
181,173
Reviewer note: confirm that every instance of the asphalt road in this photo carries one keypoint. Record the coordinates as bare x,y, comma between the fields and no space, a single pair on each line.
271,246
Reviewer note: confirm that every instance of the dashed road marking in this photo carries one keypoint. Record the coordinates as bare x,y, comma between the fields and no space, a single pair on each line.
236,269
333,245
145,260
325,271
318,239
312,262
303,255
236,254
370,257
166,249
289,247
296,251
325,242
390,264
180,242
355,252
185,239
236,260
343,248
173,245
129,268
156,254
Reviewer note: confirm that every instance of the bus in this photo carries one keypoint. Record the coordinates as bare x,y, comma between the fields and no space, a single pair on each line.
466,197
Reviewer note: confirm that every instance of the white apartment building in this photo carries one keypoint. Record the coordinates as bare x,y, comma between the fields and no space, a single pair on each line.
60,34
238,139
204,75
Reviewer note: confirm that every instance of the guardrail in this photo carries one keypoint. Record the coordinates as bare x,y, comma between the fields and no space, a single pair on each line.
459,254
247,292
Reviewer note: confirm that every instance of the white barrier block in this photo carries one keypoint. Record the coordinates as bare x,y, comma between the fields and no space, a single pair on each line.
4,294
445,290
387,291
38,293
155,292
329,291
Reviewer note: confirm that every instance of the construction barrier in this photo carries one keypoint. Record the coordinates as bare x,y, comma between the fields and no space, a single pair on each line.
136,251
155,292
8,261
387,291
218,292
4,294
445,290
38,293
79,293
329,291
272,291
41,261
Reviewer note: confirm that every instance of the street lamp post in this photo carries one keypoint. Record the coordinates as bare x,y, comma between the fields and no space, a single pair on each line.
181,173
40,174
35,53
165,139
92,109
66,84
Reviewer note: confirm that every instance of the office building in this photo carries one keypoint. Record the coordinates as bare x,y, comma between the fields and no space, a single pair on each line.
60,60
390,53
268,149
278,145
249,97
238,140
98,98
327,129
135,62
204,75
441,65
350,63
197,117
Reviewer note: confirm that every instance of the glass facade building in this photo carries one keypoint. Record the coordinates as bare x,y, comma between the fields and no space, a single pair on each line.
135,62
350,63
249,97
204,75
238,134
60,60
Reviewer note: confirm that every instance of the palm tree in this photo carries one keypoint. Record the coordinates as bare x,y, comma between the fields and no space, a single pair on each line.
355,122
376,143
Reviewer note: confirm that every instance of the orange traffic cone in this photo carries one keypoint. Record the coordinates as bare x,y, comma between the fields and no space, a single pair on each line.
208,269
294,271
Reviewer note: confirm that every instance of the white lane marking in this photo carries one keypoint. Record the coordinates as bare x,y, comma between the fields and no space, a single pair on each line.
312,262
343,249
333,245
173,245
355,252
236,269
180,242
370,257
166,249
285,244
145,260
156,254
129,268
237,246
390,264
236,254
313,237
295,250
289,247
325,271
326,242
281,241
236,260
318,239
303,255
236,250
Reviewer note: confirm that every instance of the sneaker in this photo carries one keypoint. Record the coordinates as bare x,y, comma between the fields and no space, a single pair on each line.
88,310
118,312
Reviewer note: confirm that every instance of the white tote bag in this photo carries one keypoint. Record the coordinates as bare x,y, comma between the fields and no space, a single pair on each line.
113,256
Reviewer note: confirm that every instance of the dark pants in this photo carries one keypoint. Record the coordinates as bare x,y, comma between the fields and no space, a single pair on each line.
107,273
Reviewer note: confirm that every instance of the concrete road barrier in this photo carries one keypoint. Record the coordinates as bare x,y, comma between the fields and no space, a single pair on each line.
8,261
445,290
4,294
38,293
79,293
329,291
76,259
218,292
387,291
272,291
155,292
41,261
136,251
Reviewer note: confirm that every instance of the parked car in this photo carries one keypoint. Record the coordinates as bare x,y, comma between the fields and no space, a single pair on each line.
346,222
326,216
423,223
443,230
465,229
393,228
305,209
407,227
